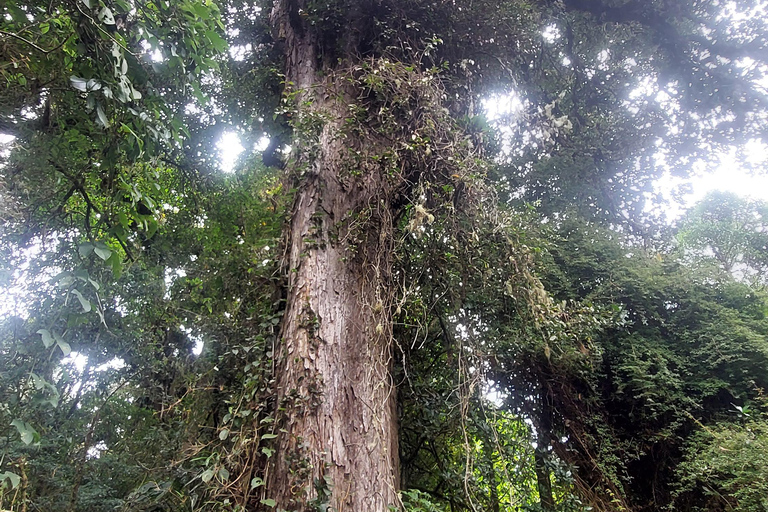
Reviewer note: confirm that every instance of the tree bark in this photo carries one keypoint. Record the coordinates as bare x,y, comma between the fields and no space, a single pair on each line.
541,454
337,445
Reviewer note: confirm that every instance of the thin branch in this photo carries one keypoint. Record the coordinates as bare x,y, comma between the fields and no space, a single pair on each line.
33,45
101,29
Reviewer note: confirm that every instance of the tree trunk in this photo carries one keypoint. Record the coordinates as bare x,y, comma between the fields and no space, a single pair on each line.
337,445
541,454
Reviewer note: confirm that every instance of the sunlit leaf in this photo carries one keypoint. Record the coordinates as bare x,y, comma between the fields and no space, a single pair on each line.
102,251
26,431
102,116
85,303
66,349
218,42
47,338
106,16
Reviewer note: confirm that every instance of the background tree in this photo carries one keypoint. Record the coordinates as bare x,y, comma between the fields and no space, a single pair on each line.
730,229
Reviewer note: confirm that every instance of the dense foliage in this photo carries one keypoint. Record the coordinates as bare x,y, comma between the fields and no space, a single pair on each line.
558,343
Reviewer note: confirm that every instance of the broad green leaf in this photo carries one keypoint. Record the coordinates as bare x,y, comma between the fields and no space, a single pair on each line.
269,502
223,474
85,303
207,475
64,279
116,263
26,431
224,434
257,482
13,478
201,11
37,381
65,347
47,338
78,83
106,16
85,249
83,85
102,251
218,42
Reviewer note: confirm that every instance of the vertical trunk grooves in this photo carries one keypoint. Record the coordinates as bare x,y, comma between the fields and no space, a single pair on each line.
337,445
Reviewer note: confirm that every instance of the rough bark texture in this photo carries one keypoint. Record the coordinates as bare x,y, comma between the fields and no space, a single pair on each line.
338,441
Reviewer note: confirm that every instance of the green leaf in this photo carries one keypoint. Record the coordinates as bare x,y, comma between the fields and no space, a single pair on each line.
102,116
269,502
78,83
64,279
207,475
102,251
45,27
37,381
83,85
85,303
223,474
269,436
26,431
47,338
219,43
65,347
85,249
116,263
224,434
257,482
201,11
13,478
106,16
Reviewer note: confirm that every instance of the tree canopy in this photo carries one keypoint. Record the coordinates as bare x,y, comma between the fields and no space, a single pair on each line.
439,278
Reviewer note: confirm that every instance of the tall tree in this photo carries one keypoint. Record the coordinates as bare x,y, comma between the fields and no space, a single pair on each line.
395,244
371,135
